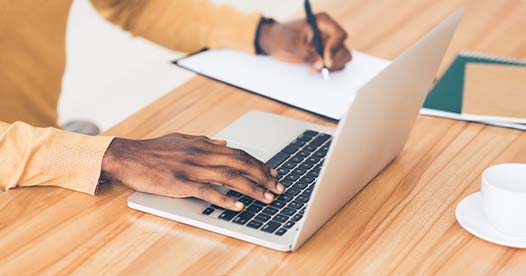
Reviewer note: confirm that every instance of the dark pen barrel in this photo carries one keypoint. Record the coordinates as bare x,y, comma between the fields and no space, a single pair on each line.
315,31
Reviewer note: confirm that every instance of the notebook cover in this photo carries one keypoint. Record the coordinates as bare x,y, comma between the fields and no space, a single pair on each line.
495,92
446,95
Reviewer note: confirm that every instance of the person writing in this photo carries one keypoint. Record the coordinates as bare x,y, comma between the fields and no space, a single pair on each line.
35,152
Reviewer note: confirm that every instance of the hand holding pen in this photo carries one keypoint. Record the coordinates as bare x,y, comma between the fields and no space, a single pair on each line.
294,41
316,37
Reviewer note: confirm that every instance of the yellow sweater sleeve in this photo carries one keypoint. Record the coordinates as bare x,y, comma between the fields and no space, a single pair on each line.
49,157
183,25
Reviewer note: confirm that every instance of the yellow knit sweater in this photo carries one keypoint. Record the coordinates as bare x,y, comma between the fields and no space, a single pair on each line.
32,60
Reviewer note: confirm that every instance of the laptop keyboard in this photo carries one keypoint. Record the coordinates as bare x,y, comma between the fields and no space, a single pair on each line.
298,165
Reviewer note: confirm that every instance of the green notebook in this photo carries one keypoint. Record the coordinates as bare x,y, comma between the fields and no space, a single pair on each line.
445,99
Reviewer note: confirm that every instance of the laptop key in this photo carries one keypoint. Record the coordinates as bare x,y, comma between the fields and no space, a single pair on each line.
311,133
208,211
305,138
306,165
320,139
313,159
300,185
303,199
281,231
297,217
295,205
292,191
307,179
233,193
254,224
259,203
246,200
286,182
217,207
278,204
289,165
277,159
284,197
308,161
270,211
292,177
298,143
228,215
270,227
243,217
310,148
282,171
289,224
262,217
290,149
296,159
313,173
280,218
320,153
299,171
303,154
254,208
287,211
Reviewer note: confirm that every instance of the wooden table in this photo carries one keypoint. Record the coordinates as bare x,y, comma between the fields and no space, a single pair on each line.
402,223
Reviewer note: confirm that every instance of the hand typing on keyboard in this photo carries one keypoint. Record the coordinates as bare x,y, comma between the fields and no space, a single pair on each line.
181,165
298,165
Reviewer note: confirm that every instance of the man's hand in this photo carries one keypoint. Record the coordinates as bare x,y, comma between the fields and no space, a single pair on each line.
181,165
293,42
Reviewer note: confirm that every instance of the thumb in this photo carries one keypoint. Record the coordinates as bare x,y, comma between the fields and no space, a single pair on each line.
218,142
317,65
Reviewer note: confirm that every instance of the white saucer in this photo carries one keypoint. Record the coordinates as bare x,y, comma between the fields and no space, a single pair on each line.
471,216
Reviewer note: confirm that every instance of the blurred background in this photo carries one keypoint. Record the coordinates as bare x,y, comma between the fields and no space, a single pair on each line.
110,74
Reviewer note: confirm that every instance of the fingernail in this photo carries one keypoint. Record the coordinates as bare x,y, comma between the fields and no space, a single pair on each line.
223,142
273,172
239,205
280,187
328,63
318,64
269,196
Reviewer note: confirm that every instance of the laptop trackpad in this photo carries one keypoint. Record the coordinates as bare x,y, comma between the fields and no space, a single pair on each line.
258,153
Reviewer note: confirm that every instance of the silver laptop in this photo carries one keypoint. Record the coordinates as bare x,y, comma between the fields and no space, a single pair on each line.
321,167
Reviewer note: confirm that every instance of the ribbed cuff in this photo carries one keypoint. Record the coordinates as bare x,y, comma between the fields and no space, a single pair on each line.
263,21
74,161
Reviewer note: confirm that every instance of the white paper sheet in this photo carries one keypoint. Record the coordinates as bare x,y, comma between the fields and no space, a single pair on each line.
289,83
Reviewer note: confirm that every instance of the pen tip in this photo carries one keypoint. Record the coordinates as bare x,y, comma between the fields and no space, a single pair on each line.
325,73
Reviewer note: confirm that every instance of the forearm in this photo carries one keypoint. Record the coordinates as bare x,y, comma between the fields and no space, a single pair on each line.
184,25
49,157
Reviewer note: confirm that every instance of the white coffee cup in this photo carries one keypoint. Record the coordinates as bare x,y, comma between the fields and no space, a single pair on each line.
504,197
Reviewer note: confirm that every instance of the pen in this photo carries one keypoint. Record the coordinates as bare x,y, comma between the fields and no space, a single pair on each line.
316,37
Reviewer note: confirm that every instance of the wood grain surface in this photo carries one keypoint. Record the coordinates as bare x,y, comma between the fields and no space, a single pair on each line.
402,223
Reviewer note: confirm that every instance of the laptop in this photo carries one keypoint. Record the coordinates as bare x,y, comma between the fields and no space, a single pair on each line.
322,167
